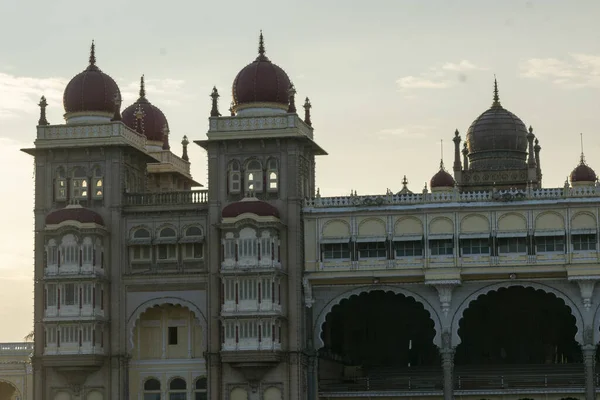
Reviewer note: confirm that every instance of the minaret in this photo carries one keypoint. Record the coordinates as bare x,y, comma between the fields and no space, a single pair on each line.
307,107
214,112
465,153
184,144
496,102
166,132
292,99
531,165
117,100
457,167
43,104
537,149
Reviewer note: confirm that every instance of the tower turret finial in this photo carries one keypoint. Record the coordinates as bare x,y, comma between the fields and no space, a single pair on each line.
261,44
307,107
582,157
185,143
442,154
142,87
291,99
214,111
93,54
43,104
496,102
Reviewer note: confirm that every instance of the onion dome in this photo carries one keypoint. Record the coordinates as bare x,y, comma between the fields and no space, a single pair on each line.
74,213
442,180
583,174
90,93
145,118
261,83
497,139
250,205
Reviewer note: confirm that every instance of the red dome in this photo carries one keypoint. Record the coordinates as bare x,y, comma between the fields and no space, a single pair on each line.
583,173
261,82
74,213
145,118
91,90
442,179
252,206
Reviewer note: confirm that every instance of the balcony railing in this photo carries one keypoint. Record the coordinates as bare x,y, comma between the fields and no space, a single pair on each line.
453,197
187,197
23,348
559,378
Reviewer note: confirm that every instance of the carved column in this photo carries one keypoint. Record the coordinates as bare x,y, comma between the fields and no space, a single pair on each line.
448,367
589,361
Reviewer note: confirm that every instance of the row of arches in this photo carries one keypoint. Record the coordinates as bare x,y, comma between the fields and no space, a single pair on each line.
253,176
508,222
177,389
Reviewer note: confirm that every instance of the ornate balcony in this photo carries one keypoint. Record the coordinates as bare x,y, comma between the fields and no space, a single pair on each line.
181,198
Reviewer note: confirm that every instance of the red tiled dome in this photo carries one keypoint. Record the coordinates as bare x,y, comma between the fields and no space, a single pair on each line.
91,90
441,179
261,82
151,122
583,173
74,213
252,206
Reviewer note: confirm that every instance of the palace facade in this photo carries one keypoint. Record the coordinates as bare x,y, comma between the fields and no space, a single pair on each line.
480,286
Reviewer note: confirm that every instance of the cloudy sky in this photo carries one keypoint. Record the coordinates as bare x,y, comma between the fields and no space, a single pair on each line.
388,80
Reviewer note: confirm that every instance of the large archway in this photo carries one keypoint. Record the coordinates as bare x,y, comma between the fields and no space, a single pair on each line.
377,340
520,333
8,391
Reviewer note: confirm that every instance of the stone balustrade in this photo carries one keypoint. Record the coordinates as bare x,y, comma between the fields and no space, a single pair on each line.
185,197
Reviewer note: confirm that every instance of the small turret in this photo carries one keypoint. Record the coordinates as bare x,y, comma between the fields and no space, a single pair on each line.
292,99
307,107
43,104
184,144
214,112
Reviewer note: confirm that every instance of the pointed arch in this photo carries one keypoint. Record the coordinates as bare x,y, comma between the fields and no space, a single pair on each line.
320,321
458,315
159,301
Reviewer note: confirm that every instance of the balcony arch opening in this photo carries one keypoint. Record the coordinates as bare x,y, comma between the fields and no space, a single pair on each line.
378,340
8,391
525,335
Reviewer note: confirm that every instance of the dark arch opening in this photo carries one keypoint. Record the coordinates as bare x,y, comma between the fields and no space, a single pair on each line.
375,335
517,325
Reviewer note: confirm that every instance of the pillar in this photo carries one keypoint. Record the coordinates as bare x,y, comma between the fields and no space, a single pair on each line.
589,361
448,368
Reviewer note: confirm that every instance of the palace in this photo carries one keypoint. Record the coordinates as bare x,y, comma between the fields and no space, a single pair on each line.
149,287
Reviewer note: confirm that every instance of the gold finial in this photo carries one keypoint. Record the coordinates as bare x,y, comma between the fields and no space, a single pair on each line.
496,102
93,54
142,87
582,158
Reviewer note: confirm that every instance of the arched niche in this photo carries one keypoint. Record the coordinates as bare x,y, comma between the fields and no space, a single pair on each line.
408,226
474,223
135,315
583,220
372,227
512,222
272,393
549,220
458,315
336,228
441,225
318,329
8,390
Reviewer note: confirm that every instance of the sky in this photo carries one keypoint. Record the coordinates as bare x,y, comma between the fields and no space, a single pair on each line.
389,81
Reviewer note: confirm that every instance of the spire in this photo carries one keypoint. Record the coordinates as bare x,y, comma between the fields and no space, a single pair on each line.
442,154
582,157
261,44
43,104
291,99
307,107
214,111
142,88
93,54
261,48
185,143
404,182
117,102
496,102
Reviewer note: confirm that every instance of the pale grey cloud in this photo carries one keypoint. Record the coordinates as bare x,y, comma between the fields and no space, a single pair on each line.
440,77
20,94
578,70
170,92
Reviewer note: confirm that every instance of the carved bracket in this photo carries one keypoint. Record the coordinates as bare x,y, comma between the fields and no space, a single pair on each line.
444,289
308,297
586,287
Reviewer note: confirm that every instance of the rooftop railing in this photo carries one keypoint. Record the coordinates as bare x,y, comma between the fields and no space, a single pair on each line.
23,348
453,196
186,197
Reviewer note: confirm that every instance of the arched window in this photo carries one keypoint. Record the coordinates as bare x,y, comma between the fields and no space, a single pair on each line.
254,177
79,184
60,190
152,389
51,252
192,243
235,177
140,245
177,389
97,183
229,250
248,244
87,251
272,176
200,389
166,249
69,251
